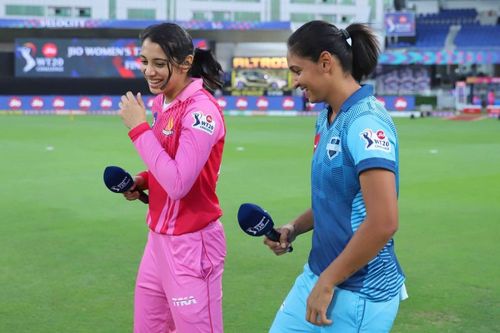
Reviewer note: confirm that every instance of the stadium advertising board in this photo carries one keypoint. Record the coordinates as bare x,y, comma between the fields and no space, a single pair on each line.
109,104
78,23
64,104
248,105
400,24
84,58
260,76
397,103
442,57
88,104
266,103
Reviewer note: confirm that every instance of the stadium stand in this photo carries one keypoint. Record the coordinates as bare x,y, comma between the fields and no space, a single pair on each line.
433,30
431,34
468,36
449,17
403,80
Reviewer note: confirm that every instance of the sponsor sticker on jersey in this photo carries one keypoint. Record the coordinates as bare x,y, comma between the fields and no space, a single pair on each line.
204,122
333,147
168,130
375,140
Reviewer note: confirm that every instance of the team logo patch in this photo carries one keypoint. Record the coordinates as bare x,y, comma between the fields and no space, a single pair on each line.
204,122
333,147
168,130
375,140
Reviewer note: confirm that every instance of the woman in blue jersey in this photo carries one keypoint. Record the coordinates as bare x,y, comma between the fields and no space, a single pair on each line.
352,281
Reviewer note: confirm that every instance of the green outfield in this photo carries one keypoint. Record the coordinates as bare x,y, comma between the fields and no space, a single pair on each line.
69,248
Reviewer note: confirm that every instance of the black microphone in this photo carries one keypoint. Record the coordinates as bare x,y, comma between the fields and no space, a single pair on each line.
255,221
118,180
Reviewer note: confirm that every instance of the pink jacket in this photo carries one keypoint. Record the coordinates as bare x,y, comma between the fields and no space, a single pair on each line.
183,153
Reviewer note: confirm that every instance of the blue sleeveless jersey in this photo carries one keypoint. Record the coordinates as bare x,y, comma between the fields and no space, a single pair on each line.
361,137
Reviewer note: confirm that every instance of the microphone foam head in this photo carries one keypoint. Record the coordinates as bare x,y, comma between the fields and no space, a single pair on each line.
117,180
254,220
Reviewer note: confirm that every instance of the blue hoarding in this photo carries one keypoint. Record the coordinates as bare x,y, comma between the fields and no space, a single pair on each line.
91,104
109,104
398,103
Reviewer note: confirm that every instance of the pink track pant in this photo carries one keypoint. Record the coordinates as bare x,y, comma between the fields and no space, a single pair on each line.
179,283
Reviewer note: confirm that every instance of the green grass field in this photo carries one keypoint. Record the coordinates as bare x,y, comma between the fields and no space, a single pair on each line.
69,248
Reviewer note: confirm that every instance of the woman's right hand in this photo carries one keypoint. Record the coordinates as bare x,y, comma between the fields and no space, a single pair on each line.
133,193
287,236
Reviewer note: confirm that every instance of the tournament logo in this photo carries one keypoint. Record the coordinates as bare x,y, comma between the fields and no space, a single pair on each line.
28,51
48,62
375,140
168,130
257,229
333,147
119,188
204,122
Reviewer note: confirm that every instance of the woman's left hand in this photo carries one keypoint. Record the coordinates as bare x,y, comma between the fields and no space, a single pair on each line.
317,303
132,109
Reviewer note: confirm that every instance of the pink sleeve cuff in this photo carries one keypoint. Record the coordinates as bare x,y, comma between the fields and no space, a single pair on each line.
136,132
145,176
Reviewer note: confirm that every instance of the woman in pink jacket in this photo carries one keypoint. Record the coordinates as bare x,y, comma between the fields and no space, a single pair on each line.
179,283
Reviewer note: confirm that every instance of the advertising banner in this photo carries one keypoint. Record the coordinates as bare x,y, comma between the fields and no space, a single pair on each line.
63,104
260,75
256,105
267,103
109,104
398,103
80,58
92,103
399,24
77,23
441,57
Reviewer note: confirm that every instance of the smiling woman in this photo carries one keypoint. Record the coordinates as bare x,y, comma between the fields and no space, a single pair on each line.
352,281
165,56
179,284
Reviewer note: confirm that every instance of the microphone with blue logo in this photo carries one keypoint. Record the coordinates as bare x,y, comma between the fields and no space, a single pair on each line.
118,180
255,221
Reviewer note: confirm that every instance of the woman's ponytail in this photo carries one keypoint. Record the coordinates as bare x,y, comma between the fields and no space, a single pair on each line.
365,50
205,66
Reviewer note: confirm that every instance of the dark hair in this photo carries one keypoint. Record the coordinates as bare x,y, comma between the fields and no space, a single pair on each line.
359,58
177,44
